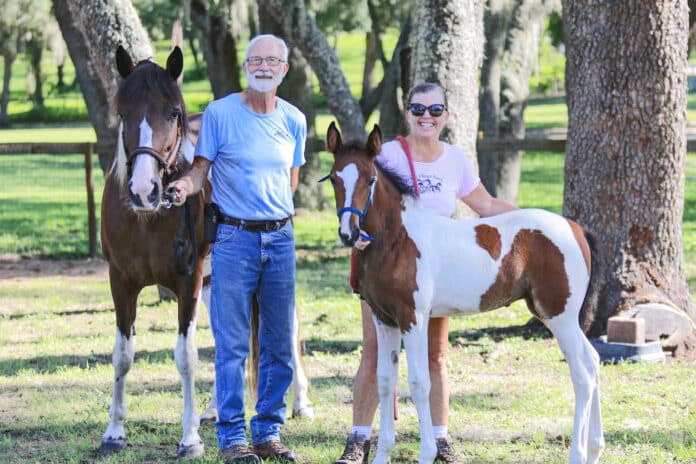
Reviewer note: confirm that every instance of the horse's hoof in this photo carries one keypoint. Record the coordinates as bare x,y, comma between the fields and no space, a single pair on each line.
208,418
190,451
306,413
112,445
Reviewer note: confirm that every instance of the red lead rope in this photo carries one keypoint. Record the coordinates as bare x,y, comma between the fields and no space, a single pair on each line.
404,144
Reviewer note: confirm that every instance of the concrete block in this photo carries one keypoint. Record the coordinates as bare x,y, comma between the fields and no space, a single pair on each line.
626,330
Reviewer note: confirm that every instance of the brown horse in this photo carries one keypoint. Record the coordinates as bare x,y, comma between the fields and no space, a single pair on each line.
139,233
420,265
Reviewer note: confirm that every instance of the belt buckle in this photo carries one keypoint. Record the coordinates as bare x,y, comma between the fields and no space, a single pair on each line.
270,226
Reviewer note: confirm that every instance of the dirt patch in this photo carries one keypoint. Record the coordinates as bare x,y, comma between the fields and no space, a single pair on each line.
17,267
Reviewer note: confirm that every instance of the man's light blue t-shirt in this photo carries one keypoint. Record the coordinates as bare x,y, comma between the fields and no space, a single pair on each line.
251,156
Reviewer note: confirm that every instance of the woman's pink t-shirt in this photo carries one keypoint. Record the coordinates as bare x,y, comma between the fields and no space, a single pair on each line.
441,182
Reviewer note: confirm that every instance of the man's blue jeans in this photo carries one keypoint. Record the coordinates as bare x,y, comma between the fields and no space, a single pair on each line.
243,264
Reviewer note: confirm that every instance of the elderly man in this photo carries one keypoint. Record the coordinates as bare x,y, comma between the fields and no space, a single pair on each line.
254,142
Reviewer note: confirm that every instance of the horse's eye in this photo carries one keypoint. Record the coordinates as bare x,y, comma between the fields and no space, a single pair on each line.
175,113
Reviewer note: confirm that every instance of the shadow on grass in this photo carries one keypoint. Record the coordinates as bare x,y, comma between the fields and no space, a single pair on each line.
52,364
533,330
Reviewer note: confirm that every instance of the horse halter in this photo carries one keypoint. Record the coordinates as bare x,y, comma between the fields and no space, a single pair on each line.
361,213
169,165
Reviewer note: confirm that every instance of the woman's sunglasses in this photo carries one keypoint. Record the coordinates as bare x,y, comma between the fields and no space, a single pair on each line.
418,109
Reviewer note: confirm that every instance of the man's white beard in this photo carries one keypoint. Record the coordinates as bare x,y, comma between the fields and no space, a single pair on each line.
264,85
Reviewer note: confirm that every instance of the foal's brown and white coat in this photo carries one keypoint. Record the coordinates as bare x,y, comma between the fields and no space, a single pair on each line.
421,265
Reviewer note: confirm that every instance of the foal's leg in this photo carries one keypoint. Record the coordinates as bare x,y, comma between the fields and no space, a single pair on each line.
416,345
301,406
114,439
595,444
186,357
388,347
583,362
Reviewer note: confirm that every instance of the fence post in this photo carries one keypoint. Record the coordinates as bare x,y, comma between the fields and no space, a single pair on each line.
91,214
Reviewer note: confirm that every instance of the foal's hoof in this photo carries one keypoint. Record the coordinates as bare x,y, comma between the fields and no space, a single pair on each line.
190,451
307,413
112,445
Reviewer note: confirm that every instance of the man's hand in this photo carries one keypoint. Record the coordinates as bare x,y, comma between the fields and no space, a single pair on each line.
180,189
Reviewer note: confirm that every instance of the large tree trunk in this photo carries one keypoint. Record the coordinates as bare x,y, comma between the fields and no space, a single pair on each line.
220,29
448,38
300,30
8,59
626,150
495,20
92,30
35,50
297,89
519,61
393,89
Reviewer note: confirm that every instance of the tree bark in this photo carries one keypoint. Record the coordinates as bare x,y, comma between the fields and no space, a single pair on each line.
391,108
495,20
519,61
301,31
92,30
8,59
219,45
626,149
448,45
297,89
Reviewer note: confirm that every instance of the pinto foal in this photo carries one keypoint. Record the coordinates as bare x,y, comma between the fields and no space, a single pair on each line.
421,265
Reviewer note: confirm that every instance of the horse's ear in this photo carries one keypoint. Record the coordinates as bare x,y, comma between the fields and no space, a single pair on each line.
333,138
175,63
124,63
374,141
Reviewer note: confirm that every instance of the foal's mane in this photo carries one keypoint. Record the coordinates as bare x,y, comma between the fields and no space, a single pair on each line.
403,185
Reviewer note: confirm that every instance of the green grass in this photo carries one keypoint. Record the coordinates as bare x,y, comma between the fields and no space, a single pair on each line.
511,397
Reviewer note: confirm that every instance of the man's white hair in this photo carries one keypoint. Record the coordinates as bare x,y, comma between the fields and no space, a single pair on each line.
281,43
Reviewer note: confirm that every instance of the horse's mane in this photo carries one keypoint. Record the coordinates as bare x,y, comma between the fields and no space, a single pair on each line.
148,79
403,186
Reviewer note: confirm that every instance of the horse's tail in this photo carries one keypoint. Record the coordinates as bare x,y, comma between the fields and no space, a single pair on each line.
252,369
589,304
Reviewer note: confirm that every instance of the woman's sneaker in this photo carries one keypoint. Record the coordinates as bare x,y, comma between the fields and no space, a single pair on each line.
445,452
357,450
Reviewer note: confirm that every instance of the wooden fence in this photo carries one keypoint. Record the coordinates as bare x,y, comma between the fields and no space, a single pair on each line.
66,149
555,142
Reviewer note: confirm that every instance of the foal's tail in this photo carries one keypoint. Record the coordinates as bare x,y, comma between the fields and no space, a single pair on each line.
589,304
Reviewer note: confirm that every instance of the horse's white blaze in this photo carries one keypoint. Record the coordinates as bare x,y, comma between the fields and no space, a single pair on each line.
349,175
144,167
122,360
186,357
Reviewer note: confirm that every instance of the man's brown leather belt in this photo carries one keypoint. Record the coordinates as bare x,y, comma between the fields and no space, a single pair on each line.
254,226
